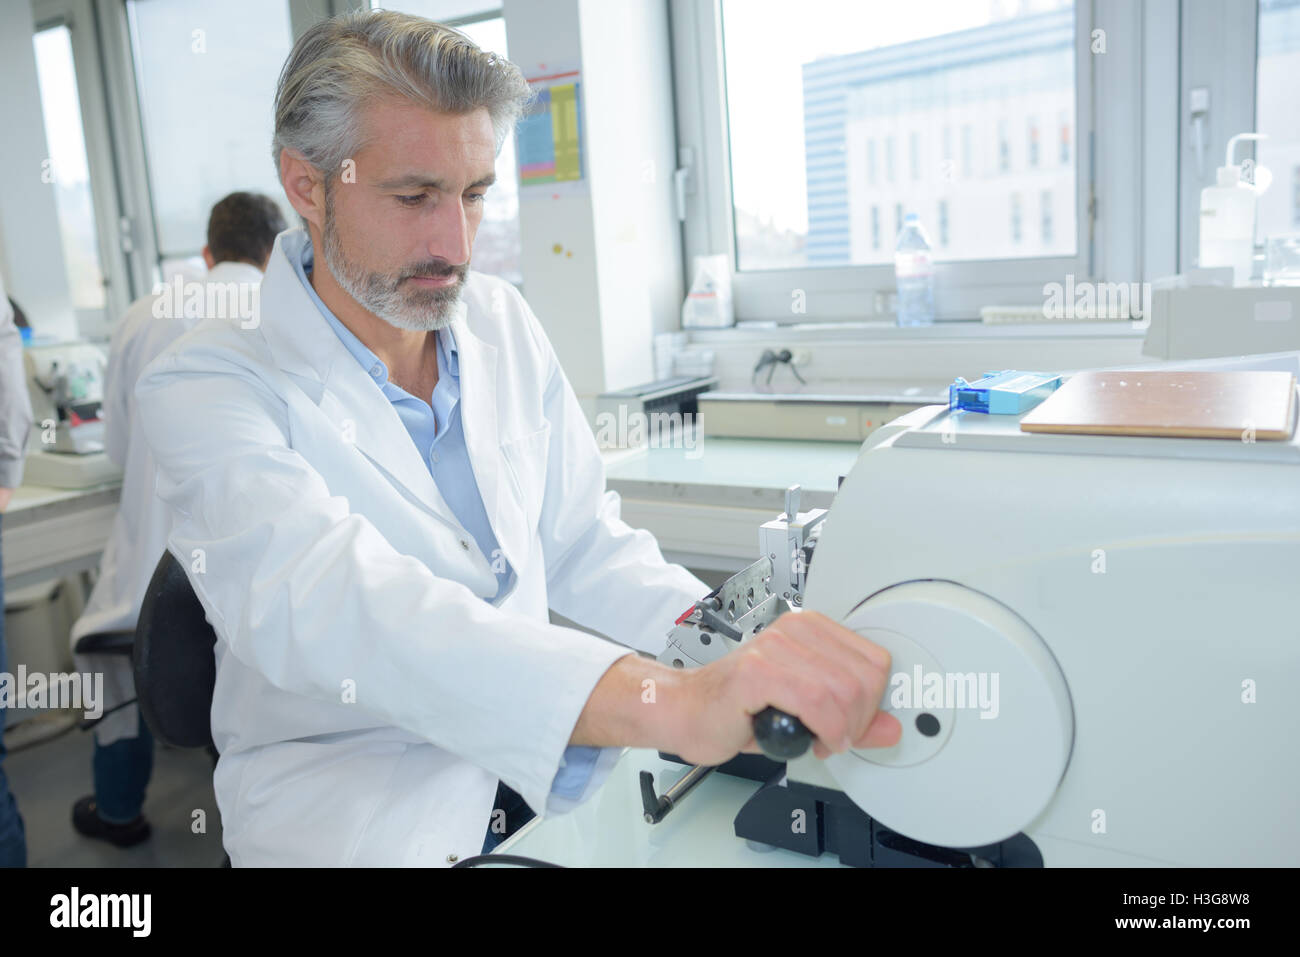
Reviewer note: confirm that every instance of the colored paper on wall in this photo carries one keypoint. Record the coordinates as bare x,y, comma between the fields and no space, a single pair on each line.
549,136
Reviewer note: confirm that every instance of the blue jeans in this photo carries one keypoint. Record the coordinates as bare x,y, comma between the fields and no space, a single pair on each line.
13,838
122,771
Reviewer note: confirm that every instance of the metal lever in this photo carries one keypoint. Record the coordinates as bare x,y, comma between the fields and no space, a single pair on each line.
792,504
781,736
657,806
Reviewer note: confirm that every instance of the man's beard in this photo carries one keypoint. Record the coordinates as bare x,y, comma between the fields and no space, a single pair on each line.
409,307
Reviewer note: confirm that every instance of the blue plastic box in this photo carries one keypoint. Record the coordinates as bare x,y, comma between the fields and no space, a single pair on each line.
1009,392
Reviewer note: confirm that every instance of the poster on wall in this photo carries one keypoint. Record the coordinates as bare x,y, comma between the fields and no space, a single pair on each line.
549,136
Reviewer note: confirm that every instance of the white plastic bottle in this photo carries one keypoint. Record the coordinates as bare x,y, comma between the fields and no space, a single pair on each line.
1228,218
914,274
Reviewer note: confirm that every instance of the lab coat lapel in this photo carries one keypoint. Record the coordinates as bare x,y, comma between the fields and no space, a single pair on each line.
478,413
307,349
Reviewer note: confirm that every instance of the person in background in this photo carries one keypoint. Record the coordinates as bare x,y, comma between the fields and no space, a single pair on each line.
15,425
241,232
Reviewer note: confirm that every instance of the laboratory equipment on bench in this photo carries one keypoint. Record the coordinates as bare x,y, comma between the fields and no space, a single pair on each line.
1228,213
817,412
1002,393
66,384
1193,321
738,609
647,413
1092,638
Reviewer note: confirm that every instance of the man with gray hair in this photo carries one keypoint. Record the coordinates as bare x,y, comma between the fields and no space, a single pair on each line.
380,489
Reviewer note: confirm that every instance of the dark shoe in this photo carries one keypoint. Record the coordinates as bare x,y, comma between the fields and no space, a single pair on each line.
86,819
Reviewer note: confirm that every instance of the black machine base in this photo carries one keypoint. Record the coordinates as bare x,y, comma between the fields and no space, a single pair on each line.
813,820
754,767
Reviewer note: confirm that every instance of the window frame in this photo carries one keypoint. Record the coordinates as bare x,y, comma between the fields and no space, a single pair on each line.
1105,108
79,16
1213,35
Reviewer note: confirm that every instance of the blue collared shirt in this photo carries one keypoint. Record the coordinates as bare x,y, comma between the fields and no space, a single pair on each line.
435,428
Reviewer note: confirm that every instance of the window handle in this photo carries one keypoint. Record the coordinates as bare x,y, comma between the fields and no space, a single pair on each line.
684,180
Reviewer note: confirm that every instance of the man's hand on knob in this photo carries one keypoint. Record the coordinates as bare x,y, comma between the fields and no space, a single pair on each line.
803,663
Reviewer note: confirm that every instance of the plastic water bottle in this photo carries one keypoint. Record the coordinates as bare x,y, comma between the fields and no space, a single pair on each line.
914,274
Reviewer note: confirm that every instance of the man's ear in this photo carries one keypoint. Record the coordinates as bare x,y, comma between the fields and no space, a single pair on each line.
207,257
304,184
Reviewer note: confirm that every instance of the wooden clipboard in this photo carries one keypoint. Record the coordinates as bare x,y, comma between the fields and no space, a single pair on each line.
1239,405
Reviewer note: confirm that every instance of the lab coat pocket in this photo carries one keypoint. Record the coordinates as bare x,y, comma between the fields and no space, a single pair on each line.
526,459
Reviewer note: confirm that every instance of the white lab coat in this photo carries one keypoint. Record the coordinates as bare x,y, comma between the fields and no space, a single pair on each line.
139,533
369,695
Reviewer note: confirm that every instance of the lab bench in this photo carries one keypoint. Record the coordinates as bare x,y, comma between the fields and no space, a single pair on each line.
609,830
705,505
51,533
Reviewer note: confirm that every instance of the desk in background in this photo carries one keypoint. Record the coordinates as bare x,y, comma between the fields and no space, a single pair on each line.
705,505
53,533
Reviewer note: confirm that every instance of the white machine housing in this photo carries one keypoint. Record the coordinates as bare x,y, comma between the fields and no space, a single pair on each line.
1139,599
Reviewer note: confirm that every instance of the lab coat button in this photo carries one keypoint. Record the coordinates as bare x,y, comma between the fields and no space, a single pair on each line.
452,858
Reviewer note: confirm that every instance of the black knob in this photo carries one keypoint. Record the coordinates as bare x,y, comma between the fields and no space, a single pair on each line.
781,736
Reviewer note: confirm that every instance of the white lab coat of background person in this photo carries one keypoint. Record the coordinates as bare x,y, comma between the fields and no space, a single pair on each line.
368,693
139,533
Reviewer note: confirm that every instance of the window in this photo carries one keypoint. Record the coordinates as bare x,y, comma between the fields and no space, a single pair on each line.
781,120
806,103
1033,142
898,220
943,222
1295,197
1015,217
875,226
871,162
205,79
497,243
1047,217
1277,113
1065,140
68,169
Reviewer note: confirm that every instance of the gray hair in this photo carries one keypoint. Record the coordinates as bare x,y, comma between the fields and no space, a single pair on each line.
339,64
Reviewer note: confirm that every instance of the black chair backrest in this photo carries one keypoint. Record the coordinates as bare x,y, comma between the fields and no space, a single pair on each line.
175,670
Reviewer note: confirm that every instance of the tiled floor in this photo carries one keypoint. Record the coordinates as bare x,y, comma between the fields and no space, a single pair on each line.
47,778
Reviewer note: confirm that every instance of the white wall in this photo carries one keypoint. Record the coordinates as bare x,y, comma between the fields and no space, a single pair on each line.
602,265
31,251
